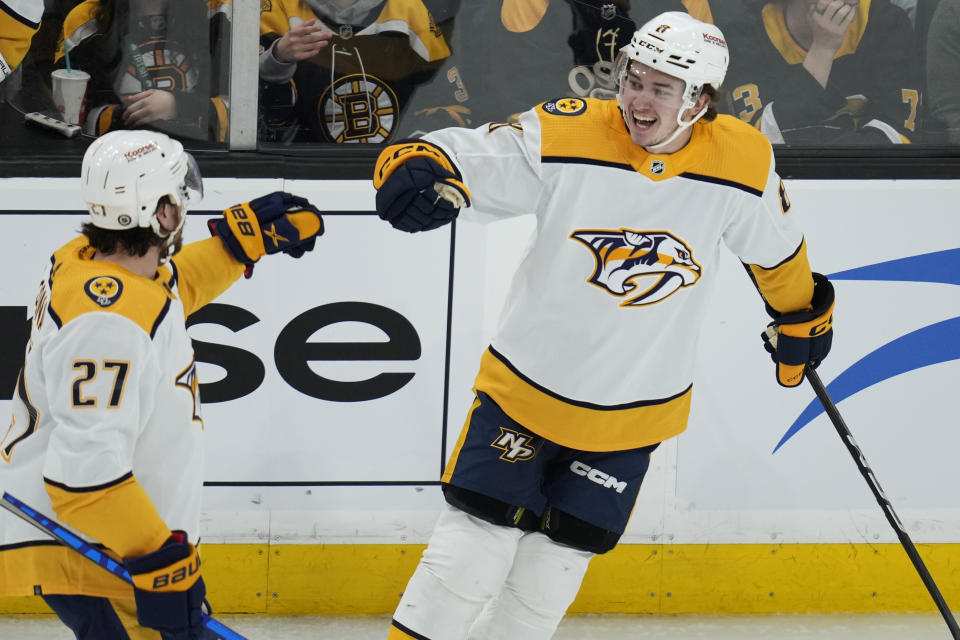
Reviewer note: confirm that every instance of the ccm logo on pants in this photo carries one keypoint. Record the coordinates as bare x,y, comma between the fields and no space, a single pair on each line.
595,475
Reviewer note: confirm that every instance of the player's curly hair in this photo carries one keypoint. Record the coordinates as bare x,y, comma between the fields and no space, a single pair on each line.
135,242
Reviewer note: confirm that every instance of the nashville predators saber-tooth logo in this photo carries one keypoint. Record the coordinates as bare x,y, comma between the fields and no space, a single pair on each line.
625,257
516,446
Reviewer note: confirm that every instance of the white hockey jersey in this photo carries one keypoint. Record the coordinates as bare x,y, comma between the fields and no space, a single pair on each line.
595,347
106,429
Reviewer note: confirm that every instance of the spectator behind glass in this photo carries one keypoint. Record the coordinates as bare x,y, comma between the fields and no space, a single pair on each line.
154,64
567,46
943,69
822,72
344,70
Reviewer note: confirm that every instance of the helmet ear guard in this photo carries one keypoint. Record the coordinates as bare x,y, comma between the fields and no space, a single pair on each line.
125,174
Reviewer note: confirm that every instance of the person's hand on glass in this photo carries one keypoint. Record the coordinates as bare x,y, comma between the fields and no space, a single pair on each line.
302,42
148,106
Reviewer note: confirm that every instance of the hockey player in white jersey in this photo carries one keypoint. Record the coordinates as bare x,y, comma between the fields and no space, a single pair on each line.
106,429
592,362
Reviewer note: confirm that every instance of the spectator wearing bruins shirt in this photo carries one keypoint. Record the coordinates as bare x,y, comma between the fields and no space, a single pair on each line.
19,20
155,64
343,71
501,42
822,71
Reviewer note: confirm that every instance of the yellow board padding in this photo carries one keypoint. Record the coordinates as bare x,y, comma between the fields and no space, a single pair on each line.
368,579
236,576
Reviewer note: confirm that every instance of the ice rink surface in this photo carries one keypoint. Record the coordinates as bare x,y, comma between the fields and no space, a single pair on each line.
585,627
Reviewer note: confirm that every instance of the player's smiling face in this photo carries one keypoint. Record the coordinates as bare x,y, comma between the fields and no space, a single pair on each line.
651,101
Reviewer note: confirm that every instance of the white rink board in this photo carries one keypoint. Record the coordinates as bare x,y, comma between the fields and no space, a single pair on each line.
295,468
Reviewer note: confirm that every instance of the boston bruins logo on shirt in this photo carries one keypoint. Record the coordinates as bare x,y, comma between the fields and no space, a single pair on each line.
103,290
358,108
628,260
155,66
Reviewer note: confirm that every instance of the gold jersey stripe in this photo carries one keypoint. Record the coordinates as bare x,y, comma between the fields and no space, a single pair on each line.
398,633
55,569
119,515
788,286
583,426
448,470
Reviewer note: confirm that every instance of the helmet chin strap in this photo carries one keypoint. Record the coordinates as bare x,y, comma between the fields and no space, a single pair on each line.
681,126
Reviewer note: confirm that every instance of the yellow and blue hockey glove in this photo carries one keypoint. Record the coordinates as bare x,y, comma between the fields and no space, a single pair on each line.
278,222
169,590
802,338
418,188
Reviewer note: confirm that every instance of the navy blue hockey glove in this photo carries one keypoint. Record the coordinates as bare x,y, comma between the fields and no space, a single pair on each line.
169,590
417,189
802,338
278,222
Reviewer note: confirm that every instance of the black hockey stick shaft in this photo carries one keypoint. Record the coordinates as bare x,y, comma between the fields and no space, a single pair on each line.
65,537
878,493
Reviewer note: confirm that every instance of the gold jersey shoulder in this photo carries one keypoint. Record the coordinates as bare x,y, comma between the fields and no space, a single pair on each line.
725,151
78,285
584,128
731,150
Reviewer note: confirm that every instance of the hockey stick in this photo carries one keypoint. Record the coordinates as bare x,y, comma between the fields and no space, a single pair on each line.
881,497
93,554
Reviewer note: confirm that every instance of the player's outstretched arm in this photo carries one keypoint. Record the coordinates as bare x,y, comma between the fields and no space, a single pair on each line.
278,222
418,187
802,338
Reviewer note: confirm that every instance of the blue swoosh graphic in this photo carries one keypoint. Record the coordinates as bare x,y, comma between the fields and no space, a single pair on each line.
933,344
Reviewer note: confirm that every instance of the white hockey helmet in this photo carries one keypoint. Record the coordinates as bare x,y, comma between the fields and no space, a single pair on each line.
126,173
681,46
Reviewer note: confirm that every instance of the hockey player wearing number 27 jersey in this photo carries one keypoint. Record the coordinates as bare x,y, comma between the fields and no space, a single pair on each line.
106,429
591,366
